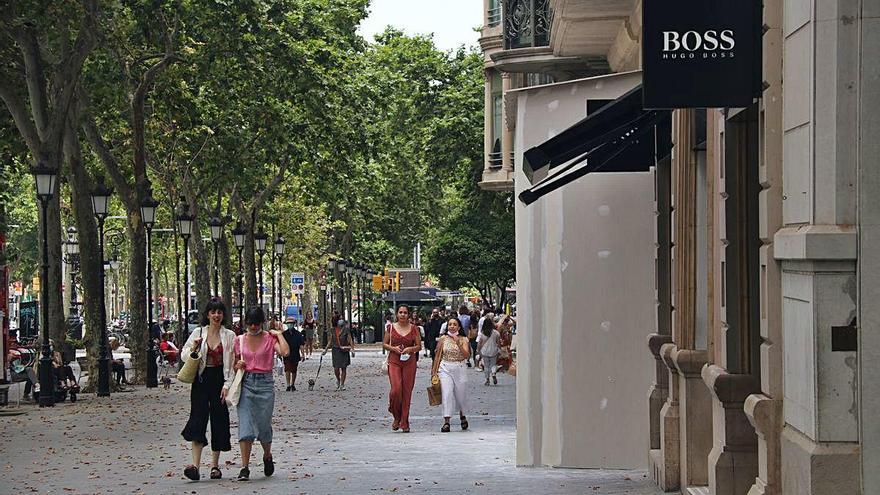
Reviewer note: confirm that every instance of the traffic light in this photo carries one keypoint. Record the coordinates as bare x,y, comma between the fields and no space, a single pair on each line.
378,283
397,282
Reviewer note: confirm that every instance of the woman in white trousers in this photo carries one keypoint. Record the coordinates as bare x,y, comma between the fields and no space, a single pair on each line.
453,350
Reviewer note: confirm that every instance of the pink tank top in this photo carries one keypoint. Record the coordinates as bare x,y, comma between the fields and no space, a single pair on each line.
260,361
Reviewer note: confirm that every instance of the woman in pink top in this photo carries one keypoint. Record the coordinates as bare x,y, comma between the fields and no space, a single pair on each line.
255,353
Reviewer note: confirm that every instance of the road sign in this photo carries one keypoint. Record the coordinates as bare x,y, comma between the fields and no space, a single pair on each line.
298,282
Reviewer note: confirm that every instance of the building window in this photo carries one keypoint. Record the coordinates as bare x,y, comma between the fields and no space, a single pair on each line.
526,23
497,117
494,14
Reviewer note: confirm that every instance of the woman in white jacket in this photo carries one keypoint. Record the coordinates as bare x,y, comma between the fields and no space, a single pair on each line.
215,344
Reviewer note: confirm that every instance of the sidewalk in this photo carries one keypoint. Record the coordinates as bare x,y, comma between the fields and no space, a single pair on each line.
326,442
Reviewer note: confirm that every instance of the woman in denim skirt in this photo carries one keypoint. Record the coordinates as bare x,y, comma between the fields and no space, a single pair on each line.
255,354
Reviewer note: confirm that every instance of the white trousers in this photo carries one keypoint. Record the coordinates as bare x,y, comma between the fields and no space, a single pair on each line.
453,383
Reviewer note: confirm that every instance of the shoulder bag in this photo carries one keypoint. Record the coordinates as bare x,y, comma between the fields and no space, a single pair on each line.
234,392
190,369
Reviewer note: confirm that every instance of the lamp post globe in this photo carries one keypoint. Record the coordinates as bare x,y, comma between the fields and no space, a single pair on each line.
148,208
45,179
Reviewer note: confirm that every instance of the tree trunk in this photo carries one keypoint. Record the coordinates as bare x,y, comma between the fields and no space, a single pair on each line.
57,323
138,330
225,277
250,265
91,264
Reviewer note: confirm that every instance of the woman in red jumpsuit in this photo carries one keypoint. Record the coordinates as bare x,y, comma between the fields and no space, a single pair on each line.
403,344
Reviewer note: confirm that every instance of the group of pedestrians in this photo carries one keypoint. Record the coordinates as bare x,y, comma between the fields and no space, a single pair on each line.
452,342
223,353
449,341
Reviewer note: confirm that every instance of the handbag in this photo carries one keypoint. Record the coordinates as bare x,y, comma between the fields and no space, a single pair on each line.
385,366
511,370
190,369
435,396
234,392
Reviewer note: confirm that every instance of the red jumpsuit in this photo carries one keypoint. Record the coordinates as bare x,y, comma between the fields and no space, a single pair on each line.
402,375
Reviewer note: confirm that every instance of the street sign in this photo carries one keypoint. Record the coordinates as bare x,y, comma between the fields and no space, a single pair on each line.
298,282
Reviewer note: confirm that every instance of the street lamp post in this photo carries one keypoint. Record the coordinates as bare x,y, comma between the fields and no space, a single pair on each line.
349,269
100,196
260,241
238,236
71,257
323,289
340,269
331,271
279,252
148,217
45,178
216,225
184,226
272,273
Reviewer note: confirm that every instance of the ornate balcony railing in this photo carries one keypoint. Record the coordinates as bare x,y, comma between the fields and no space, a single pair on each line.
495,160
526,23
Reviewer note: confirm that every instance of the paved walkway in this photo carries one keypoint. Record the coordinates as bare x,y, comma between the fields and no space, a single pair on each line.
326,442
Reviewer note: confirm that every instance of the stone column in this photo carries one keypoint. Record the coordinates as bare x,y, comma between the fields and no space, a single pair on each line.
508,127
667,472
695,406
732,461
659,391
764,410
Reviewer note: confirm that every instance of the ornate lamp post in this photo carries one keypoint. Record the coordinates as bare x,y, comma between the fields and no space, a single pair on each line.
184,226
216,225
100,196
45,178
260,241
238,236
148,217
279,253
331,270
349,269
340,284
71,257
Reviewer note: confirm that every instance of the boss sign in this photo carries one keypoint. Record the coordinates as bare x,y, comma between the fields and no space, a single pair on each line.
701,53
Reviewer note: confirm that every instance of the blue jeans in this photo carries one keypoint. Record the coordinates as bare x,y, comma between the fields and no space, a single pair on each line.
255,407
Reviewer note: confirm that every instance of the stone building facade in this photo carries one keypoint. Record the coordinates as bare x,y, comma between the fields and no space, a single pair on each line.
765,238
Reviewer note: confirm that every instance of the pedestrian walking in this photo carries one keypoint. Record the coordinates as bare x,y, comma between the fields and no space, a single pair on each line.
402,341
309,325
453,349
255,353
295,341
488,346
207,395
343,347
432,332
464,317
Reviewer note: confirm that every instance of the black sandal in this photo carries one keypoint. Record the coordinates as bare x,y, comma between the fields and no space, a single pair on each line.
216,474
192,473
268,466
464,423
445,428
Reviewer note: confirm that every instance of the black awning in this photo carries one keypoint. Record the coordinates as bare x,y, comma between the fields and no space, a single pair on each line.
620,137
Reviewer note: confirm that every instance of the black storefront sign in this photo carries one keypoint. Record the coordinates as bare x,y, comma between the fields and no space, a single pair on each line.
701,53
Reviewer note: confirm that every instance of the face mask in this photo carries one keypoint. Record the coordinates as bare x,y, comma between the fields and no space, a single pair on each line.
256,332
453,332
